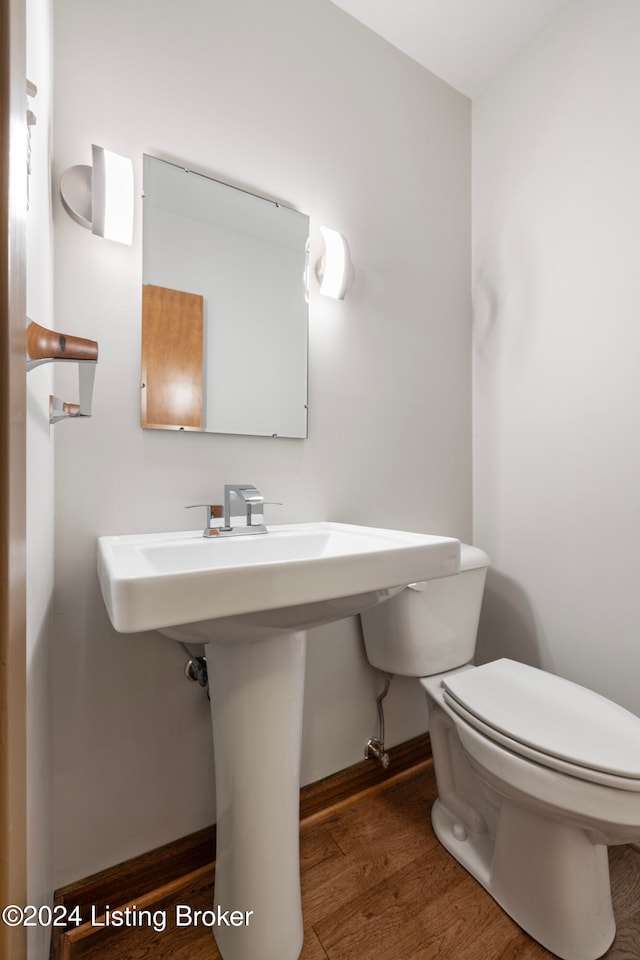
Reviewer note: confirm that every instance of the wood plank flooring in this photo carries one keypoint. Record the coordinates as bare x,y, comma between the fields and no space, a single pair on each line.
377,885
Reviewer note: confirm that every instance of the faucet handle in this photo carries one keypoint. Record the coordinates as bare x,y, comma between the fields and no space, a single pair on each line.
255,512
215,513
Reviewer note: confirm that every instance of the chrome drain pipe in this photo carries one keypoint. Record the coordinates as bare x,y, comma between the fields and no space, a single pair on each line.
195,669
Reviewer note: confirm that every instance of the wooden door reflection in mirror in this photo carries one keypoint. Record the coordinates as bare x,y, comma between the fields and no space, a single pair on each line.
172,359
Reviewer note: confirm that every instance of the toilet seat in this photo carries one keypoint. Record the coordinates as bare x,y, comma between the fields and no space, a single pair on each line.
550,720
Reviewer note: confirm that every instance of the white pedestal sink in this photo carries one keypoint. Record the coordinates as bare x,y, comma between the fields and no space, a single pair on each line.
250,600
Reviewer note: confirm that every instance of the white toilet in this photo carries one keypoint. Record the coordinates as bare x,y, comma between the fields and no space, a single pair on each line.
536,775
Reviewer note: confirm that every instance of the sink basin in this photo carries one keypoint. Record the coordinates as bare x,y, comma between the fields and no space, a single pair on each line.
297,576
250,600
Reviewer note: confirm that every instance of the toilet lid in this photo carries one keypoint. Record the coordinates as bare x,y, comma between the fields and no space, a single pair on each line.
555,717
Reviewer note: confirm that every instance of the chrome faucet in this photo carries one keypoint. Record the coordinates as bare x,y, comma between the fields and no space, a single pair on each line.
250,521
250,497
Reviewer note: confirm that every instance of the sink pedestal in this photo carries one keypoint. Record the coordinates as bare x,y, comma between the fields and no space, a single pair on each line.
257,691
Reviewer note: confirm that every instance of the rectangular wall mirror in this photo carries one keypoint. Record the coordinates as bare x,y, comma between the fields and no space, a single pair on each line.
224,307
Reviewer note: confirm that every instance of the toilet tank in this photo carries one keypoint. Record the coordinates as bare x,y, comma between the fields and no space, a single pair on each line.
430,627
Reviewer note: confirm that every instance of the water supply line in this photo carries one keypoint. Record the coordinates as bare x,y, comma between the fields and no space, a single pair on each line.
374,749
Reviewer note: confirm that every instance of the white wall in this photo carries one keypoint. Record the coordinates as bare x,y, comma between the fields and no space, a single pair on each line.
556,293
297,101
40,501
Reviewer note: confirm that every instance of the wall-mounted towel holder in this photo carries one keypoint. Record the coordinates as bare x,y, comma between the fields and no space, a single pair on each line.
47,346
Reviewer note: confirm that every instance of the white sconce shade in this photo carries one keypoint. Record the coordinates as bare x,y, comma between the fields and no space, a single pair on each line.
334,269
100,197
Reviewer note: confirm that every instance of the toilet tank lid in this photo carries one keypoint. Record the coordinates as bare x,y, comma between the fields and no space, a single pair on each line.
471,558
551,715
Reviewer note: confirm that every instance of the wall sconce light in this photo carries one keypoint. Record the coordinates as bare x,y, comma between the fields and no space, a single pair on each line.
334,269
100,197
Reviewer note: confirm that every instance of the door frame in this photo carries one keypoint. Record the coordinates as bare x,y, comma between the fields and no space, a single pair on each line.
13,210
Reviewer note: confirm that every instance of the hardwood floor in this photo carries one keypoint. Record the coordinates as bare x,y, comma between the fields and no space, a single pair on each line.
377,885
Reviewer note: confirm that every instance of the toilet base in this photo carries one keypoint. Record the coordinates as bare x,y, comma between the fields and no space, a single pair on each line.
547,875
